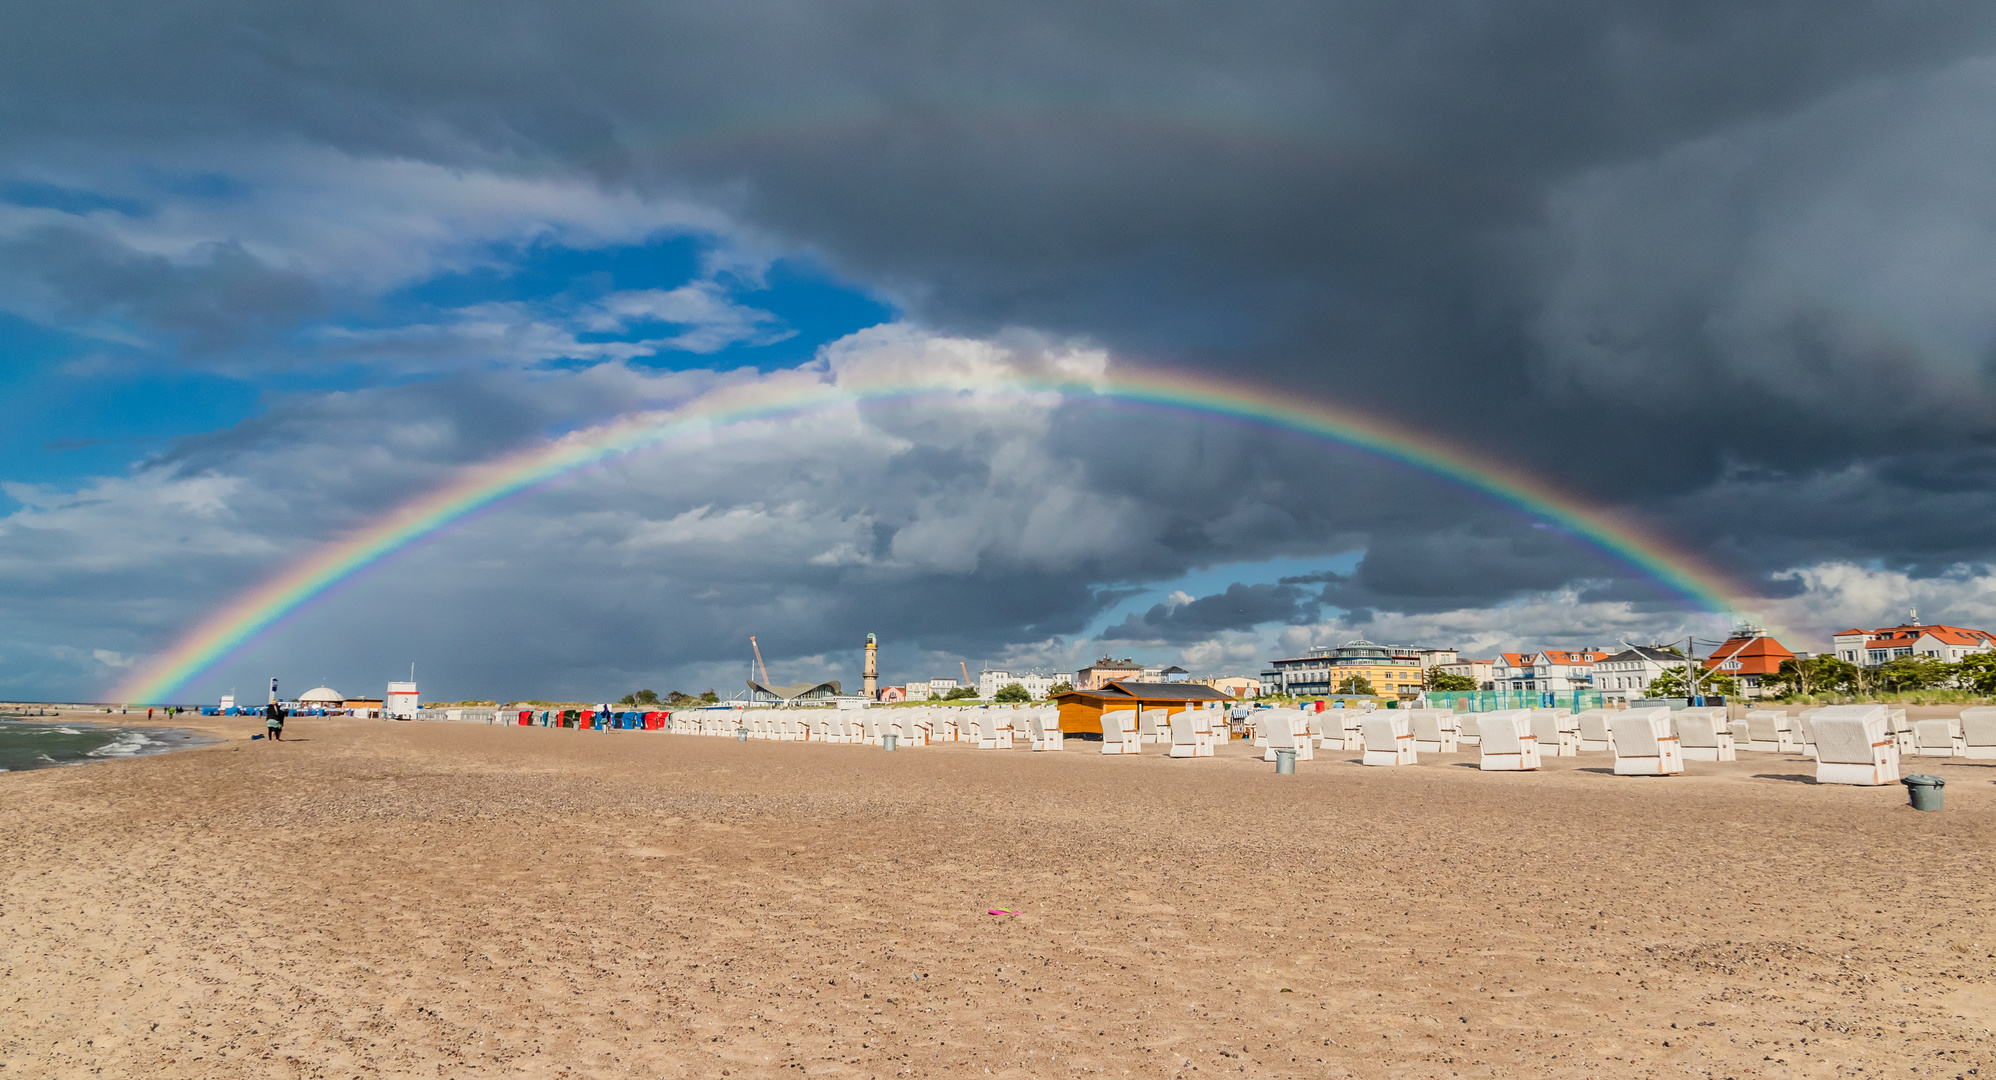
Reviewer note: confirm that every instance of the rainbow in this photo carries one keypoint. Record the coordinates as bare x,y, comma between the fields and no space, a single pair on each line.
805,394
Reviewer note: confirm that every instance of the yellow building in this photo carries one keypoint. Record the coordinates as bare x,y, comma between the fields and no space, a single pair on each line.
1392,673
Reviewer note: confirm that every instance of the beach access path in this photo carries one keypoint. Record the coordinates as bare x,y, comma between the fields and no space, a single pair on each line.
393,899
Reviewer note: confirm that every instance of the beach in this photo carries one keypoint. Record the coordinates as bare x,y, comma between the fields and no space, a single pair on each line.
444,900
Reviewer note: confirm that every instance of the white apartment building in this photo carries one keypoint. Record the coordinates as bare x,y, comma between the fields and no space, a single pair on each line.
989,682
1626,675
1871,648
1556,670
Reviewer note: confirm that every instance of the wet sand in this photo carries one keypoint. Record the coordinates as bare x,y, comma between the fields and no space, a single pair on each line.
389,899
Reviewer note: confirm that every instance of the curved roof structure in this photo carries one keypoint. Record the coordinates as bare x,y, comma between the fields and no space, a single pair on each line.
322,693
803,691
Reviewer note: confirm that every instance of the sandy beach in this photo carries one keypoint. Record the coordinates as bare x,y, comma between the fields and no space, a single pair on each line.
390,899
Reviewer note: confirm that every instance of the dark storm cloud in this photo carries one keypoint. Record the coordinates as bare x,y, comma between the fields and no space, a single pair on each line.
1240,607
1722,264
1461,211
224,298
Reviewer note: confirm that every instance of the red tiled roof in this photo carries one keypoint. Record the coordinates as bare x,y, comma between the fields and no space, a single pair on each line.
1947,635
1757,656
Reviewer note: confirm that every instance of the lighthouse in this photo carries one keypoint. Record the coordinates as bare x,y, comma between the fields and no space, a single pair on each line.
871,676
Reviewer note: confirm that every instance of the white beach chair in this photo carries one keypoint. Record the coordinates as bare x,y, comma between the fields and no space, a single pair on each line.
1280,732
1388,739
1593,730
1119,732
1147,725
1902,732
1506,742
1045,730
1209,726
1854,745
992,734
1643,743
1434,730
1185,734
1768,732
1466,731
1316,722
1554,740
1978,733
1702,737
1937,738
1287,729
1804,725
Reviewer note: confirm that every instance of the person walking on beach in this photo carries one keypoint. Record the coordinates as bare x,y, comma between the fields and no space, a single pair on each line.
273,722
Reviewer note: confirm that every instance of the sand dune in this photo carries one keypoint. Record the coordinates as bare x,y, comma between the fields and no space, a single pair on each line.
372,899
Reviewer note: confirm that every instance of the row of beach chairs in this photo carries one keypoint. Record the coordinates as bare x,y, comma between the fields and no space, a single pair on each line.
1852,744
988,728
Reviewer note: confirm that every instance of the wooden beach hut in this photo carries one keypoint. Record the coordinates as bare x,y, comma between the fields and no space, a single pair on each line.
1081,710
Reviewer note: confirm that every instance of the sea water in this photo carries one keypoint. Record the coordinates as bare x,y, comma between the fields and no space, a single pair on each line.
42,745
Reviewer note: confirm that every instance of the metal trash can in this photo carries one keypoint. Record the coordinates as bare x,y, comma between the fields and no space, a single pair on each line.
741,734
1285,762
1924,791
892,742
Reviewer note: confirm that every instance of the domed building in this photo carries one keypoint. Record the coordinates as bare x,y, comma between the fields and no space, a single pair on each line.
322,697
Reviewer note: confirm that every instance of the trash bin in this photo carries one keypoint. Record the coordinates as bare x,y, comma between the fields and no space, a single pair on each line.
1924,790
741,734
1285,762
890,741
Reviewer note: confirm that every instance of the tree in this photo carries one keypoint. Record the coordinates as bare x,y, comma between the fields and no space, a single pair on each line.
1818,675
1446,681
646,697
1357,684
627,700
1060,688
1011,694
677,698
1977,672
1913,673
1675,682
708,696
960,692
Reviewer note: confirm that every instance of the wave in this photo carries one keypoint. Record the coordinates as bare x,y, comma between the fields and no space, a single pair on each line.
68,731
127,744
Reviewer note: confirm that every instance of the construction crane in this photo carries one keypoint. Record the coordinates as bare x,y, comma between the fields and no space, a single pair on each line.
966,671
758,659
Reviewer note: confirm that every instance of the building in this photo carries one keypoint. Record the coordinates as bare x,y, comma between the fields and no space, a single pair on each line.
1750,656
940,687
891,694
1105,671
1235,686
1556,670
1477,671
322,697
402,701
1081,710
1175,673
1320,672
795,693
1874,648
989,682
1434,658
1626,675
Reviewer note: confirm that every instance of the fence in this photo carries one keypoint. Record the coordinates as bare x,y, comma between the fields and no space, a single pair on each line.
1492,700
